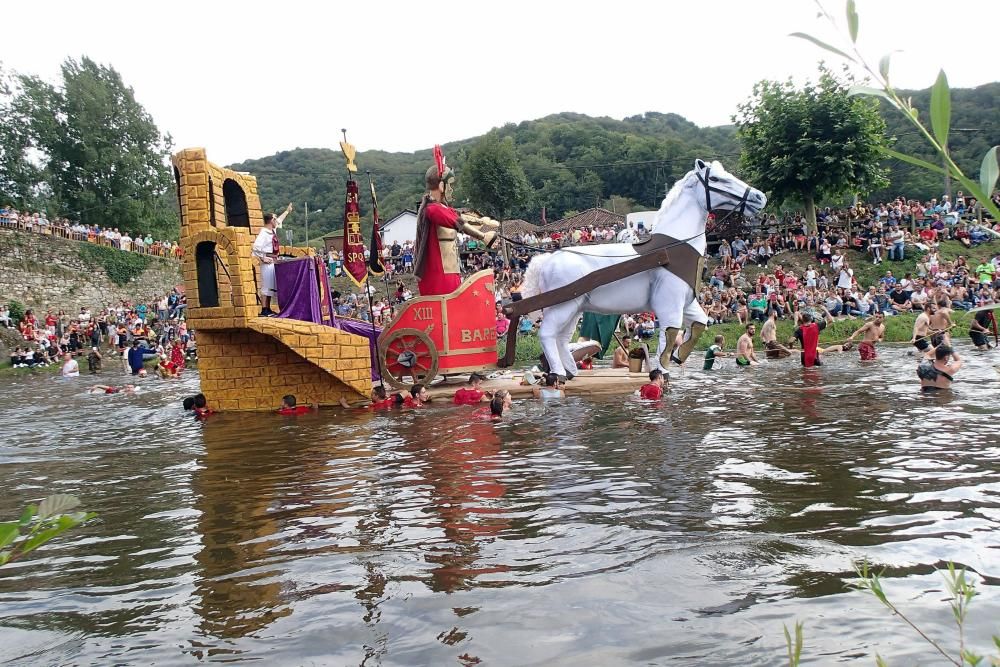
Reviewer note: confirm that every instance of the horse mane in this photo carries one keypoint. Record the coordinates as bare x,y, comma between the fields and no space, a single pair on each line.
672,196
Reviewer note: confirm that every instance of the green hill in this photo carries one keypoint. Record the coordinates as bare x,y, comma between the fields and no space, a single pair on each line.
574,161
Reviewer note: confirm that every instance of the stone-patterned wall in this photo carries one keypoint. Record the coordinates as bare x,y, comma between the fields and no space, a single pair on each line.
45,273
246,370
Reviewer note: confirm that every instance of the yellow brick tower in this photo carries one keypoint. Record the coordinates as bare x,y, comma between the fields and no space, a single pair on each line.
249,362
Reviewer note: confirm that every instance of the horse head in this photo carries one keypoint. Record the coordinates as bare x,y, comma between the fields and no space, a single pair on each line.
723,191
706,188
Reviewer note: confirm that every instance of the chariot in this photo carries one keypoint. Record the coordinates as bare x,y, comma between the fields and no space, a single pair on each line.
445,335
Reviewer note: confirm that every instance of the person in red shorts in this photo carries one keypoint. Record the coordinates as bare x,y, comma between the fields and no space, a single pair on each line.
872,333
472,393
653,390
289,407
436,261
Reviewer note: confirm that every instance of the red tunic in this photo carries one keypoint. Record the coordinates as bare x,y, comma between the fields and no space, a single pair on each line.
468,396
810,338
435,280
652,392
297,410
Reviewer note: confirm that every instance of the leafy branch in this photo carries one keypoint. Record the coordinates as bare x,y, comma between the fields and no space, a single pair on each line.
940,112
38,524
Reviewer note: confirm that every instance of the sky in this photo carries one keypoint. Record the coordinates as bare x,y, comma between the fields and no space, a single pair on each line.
248,79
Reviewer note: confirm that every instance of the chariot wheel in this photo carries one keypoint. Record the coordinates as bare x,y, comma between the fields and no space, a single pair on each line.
407,357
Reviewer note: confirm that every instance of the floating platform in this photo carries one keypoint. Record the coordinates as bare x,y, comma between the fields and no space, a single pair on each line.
600,381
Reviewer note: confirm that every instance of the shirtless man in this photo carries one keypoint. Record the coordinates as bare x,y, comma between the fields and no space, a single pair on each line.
940,373
922,330
940,319
769,336
620,359
744,348
871,333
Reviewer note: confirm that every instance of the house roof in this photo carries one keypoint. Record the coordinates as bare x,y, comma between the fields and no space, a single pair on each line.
338,233
519,226
396,217
592,217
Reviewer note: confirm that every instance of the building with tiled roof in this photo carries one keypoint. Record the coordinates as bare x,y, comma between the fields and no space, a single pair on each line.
592,217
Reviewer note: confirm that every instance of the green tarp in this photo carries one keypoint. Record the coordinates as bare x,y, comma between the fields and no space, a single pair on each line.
600,328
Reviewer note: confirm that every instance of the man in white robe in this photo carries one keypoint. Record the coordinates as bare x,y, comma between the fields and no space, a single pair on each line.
266,249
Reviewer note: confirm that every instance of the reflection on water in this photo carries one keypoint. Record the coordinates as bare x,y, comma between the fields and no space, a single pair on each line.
587,532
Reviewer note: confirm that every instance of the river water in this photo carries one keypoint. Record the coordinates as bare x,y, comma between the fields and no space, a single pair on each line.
584,532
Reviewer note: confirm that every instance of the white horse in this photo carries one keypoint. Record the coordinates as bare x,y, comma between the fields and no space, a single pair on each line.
680,220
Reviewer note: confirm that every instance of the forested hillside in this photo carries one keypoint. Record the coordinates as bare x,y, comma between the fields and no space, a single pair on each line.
975,128
574,161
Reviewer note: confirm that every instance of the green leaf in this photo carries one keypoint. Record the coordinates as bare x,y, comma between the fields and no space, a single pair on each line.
941,108
914,161
880,661
4,557
989,171
883,66
28,514
57,504
852,20
868,90
821,44
9,532
40,538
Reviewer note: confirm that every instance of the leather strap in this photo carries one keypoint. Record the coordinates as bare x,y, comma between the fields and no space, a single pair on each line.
684,259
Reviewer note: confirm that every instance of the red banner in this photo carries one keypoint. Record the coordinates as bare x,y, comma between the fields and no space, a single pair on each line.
354,246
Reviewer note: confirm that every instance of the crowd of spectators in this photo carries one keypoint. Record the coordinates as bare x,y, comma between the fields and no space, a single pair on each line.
38,223
843,239
157,330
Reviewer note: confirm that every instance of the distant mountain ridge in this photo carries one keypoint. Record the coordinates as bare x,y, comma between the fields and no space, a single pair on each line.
574,161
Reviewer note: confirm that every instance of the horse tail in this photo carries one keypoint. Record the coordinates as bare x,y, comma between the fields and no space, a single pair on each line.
532,280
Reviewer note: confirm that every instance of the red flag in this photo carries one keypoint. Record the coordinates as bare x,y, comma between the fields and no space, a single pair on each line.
354,246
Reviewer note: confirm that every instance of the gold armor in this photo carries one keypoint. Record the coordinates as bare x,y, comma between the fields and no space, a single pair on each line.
467,224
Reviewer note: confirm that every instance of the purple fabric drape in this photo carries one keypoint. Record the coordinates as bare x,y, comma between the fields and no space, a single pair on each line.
298,290
300,283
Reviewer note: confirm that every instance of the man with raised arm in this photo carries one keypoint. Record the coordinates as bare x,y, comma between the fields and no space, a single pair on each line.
266,248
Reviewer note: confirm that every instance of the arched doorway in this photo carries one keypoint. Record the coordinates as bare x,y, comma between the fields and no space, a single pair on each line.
208,285
237,214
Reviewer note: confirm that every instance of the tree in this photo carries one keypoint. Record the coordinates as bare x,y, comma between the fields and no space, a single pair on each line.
493,178
811,144
87,150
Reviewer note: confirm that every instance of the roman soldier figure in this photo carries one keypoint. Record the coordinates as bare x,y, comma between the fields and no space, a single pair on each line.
436,261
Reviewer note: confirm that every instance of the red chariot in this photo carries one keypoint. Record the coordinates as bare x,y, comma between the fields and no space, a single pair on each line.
449,334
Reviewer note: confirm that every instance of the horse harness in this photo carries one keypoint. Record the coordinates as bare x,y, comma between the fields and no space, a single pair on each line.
685,261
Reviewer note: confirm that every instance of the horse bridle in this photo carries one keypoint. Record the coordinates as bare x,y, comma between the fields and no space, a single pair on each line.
709,189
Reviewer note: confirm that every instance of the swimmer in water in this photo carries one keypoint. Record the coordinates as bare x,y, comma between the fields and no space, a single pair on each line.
937,375
107,389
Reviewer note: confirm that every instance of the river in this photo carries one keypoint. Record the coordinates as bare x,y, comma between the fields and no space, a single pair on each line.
582,532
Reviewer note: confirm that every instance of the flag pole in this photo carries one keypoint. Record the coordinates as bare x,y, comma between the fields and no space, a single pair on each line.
349,154
375,223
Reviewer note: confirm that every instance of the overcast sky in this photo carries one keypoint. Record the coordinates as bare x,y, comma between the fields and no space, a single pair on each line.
248,79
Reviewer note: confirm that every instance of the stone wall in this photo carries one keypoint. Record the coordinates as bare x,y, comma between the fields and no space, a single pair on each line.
43,272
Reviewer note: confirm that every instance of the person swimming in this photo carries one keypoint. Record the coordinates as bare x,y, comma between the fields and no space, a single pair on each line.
937,375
